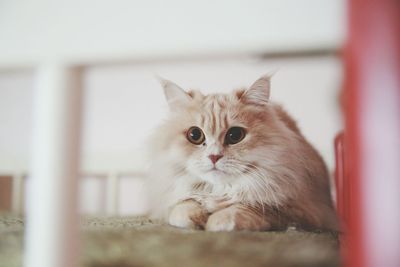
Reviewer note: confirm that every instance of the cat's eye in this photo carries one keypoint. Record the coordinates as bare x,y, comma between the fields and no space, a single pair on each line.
195,135
234,135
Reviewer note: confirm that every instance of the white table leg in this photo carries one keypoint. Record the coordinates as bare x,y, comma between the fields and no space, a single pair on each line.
52,217
17,193
112,193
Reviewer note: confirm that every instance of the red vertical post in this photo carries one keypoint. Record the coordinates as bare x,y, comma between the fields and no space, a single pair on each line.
373,133
340,177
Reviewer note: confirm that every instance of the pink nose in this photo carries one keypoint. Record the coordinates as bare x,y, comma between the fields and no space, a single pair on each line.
214,158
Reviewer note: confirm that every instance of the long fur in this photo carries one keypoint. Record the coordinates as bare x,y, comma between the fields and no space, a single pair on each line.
272,179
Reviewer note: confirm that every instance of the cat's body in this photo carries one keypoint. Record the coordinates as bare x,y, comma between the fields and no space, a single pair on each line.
236,162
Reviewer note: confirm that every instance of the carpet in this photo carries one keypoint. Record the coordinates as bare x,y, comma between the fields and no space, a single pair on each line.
138,241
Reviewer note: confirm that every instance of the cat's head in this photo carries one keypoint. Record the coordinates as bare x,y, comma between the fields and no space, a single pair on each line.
219,137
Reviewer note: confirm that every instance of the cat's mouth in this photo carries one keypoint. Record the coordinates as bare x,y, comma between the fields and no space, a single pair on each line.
215,170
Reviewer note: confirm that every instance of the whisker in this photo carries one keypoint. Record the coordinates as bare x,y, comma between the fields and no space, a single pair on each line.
256,178
252,185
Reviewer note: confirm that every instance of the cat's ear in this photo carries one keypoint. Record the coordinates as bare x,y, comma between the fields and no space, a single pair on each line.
259,91
174,94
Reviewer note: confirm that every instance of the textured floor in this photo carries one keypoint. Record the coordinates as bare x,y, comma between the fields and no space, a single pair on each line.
137,241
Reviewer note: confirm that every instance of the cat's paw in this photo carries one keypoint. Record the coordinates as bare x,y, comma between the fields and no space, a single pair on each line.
188,214
237,218
223,220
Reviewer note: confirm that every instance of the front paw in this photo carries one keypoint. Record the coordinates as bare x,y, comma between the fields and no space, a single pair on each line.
223,220
237,218
188,214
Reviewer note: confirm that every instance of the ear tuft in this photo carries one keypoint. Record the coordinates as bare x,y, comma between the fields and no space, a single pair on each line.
174,94
259,91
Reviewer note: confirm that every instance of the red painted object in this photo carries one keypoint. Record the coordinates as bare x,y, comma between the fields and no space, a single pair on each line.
340,181
368,153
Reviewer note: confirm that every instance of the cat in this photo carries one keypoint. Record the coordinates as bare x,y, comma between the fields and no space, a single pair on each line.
238,161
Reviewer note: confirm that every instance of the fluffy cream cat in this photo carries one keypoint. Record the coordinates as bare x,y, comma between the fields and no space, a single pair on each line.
225,162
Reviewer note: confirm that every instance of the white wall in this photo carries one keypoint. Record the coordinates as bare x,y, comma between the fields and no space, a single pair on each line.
93,31
16,99
124,102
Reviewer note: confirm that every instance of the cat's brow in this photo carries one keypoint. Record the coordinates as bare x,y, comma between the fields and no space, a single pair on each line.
202,120
214,122
215,117
226,121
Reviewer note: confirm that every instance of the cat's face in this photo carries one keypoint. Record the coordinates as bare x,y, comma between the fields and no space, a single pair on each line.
220,137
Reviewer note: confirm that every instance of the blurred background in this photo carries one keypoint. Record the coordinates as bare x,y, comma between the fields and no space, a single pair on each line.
214,46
